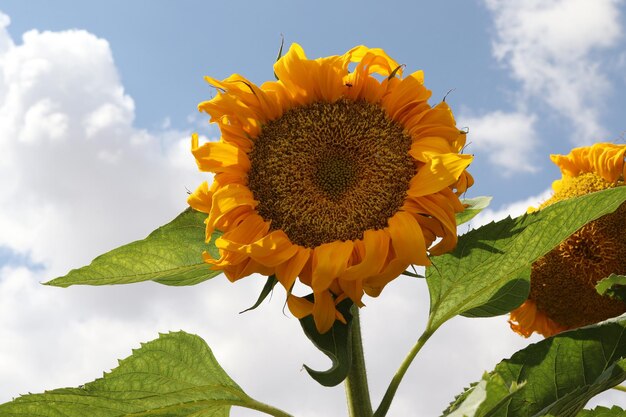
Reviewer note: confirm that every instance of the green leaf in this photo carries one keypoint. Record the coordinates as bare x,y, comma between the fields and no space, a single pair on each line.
471,399
335,343
479,272
614,286
171,255
473,207
614,411
556,376
175,375
267,289
510,296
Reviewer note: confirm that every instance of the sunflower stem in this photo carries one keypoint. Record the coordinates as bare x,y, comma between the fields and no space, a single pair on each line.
382,409
357,391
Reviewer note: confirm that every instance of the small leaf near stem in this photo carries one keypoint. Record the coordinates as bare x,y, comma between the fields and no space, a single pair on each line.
357,390
336,344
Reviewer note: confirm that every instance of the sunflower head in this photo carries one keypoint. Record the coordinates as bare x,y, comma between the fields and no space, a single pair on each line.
333,178
562,283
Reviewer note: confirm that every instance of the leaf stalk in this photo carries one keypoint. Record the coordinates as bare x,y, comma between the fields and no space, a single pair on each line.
383,408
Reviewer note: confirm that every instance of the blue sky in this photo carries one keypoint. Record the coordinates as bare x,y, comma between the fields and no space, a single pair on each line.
97,103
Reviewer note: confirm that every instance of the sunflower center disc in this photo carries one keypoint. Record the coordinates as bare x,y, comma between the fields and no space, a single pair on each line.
328,172
335,175
562,283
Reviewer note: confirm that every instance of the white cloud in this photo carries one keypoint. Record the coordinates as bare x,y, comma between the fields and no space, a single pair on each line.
508,139
73,166
552,48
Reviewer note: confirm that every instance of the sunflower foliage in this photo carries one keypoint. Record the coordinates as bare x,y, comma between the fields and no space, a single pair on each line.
177,374
489,271
556,376
613,286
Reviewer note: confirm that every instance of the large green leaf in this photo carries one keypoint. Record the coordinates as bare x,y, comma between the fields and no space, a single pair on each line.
170,255
476,277
335,343
555,377
603,412
175,375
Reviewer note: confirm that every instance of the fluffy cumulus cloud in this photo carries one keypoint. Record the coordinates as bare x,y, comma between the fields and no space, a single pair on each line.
72,164
553,48
508,139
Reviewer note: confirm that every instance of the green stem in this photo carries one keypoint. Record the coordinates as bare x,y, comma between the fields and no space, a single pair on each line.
357,391
382,409
265,408
620,388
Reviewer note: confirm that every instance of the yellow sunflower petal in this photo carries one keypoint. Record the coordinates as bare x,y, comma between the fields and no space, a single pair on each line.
353,289
288,271
309,80
251,229
441,208
300,307
232,107
221,157
441,171
329,261
200,199
228,198
376,246
603,159
360,85
380,62
424,147
407,96
527,319
324,312
273,249
409,248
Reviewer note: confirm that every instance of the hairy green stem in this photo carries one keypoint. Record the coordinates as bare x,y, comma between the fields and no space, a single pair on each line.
357,391
382,409
265,408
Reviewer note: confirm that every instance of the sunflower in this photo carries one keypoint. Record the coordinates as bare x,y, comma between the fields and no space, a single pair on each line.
336,178
562,283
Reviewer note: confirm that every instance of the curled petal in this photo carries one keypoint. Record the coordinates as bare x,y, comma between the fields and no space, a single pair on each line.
200,199
221,157
300,307
288,271
329,261
603,159
439,172
527,319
